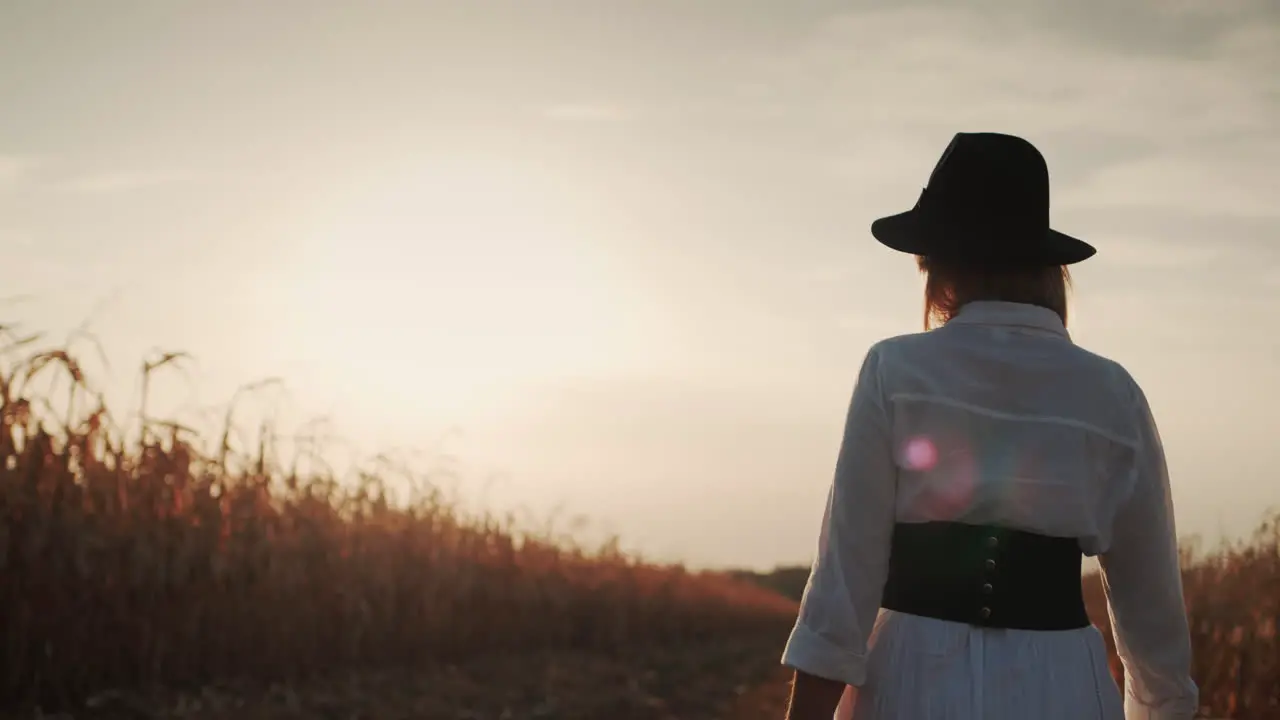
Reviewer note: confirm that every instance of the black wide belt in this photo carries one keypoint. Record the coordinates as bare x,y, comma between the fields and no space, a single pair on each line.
985,576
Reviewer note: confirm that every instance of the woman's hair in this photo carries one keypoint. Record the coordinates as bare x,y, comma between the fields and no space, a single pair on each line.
949,286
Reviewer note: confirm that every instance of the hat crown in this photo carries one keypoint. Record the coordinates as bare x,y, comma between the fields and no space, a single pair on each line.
988,181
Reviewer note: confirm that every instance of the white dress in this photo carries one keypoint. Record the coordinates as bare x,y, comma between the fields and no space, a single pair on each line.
998,418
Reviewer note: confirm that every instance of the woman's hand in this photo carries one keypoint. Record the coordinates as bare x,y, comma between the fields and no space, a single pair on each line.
815,698
847,701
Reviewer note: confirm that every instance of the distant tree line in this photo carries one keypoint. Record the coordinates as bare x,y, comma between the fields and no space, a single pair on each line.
787,581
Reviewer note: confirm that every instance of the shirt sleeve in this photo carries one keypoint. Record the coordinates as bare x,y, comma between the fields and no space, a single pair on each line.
842,597
1142,578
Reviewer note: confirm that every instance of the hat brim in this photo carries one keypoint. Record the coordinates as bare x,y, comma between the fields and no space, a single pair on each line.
905,232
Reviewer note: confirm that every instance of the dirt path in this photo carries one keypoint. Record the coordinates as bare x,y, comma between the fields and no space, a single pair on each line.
733,680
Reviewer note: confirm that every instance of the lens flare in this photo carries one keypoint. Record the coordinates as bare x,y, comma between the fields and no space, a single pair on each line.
919,454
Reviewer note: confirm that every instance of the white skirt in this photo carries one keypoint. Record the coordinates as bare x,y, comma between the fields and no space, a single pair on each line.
926,669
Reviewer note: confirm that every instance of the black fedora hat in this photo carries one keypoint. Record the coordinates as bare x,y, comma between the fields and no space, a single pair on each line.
987,203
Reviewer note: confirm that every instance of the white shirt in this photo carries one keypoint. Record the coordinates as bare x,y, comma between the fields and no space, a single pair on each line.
998,418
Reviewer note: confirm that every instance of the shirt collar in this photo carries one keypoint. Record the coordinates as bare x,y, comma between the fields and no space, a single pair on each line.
1007,314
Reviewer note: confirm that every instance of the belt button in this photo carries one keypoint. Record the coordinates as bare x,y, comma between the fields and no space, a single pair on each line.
987,589
986,613
993,542
991,564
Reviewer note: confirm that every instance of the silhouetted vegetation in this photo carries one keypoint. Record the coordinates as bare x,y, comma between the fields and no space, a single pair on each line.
148,557
788,582
1233,599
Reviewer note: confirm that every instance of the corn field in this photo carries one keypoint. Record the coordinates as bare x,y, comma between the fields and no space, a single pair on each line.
1233,600
147,556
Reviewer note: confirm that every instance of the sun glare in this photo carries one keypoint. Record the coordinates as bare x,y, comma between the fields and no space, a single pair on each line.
453,287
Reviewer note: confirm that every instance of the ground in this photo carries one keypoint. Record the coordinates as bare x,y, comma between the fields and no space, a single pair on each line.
725,680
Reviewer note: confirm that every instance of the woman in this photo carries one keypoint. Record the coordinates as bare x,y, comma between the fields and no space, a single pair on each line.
980,460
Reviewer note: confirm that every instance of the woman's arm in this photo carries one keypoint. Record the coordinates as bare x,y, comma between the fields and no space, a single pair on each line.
1143,581
828,646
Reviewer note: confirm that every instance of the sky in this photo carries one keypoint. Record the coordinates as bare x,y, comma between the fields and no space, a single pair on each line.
611,258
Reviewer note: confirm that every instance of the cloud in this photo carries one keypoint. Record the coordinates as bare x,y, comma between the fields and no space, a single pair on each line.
913,72
1164,147
1192,250
114,182
1147,252
1170,28
13,168
15,239
583,112
18,170
1229,181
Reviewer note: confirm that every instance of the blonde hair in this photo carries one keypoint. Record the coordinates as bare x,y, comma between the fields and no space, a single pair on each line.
950,286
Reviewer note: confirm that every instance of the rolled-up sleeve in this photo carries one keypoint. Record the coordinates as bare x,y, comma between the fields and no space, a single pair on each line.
1143,582
842,597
